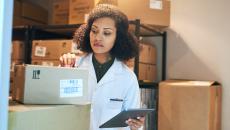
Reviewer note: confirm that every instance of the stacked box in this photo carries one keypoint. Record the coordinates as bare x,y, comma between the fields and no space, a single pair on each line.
79,9
17,58
48,52
26,13
50,85
49,117
154,12
60,12
146,63
189,105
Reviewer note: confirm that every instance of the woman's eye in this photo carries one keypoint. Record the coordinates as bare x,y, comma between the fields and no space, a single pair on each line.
94,31
107,33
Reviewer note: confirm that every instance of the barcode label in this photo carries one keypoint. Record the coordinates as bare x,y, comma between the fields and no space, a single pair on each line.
71,88
40,51
156,4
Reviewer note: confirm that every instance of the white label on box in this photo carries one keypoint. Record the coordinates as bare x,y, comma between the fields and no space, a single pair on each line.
40,51
71,88
156,4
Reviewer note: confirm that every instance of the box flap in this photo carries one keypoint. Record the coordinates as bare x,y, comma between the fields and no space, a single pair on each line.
185,83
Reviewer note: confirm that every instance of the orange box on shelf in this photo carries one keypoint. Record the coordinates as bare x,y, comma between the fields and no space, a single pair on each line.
79,9
60,12
147,54
51,49
154,12
18,50
34,12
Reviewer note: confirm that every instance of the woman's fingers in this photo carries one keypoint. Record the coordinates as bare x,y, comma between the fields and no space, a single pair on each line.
136,123
67,60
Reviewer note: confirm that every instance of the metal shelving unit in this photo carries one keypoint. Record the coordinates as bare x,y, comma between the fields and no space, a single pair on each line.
149,89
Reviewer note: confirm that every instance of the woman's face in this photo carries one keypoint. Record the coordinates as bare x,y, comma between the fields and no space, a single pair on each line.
102,35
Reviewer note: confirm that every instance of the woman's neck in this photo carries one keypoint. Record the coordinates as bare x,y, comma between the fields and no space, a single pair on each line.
102,58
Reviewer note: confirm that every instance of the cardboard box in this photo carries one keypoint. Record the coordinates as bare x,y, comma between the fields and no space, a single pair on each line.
46,62
147,54
50,85
154,12
51,49
17,50
34,12
189,105
15,62
12,74
49,117
60,12
79,9
147,72
20,21
17,8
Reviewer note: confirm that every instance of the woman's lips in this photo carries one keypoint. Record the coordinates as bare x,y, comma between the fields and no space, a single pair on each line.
97,45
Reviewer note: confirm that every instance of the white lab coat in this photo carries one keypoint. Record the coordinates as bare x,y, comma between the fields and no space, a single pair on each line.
119,82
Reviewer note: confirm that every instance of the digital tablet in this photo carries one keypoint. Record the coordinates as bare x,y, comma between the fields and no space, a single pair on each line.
119,119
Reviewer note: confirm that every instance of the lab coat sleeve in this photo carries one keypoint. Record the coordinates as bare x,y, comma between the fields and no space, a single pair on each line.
132,99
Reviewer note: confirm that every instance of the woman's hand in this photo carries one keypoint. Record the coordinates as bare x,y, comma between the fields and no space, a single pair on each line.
67,60
135,124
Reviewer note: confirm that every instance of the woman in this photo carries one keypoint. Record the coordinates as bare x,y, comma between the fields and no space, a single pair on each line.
108,44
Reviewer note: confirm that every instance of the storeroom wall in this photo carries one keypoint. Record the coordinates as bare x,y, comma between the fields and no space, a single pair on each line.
199,45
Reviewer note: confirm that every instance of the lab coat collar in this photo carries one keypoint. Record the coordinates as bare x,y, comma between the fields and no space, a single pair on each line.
110,75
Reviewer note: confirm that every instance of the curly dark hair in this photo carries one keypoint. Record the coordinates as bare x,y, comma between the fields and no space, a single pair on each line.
126,45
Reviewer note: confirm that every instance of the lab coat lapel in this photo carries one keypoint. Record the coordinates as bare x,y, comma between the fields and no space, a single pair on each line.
89,65
91,69
110,75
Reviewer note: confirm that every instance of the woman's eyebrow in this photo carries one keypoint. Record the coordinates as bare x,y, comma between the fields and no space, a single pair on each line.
108,28
94,26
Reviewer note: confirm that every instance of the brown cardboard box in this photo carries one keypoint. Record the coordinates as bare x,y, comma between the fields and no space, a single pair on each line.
147,72
18,50
17,8
19,21
46,62
49,117
189,105
12,74
51,49
60,12
79,9
147,54
154,12
34,12
35,84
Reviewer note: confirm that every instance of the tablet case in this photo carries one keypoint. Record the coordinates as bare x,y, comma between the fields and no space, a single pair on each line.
119,119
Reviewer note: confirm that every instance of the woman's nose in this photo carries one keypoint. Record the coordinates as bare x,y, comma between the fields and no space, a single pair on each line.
98,36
